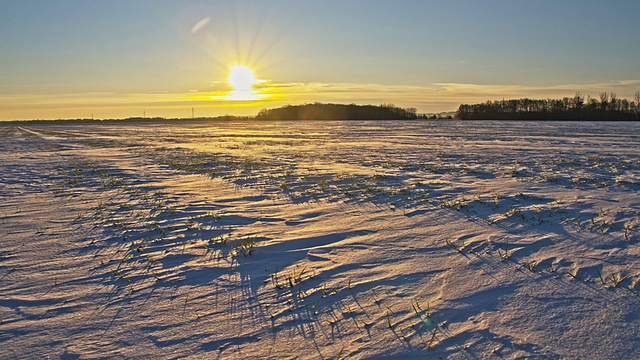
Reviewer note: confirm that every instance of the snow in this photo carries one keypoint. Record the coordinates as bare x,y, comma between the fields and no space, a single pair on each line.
320,240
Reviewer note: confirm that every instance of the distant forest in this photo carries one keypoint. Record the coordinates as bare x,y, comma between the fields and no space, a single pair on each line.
607,107
320,111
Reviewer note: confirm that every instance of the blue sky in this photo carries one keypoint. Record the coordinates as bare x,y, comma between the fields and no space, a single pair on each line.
119,58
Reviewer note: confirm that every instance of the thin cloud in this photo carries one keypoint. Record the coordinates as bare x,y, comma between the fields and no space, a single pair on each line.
476,92
200,24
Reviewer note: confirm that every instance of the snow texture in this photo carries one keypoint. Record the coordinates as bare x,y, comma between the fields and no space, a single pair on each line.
316,240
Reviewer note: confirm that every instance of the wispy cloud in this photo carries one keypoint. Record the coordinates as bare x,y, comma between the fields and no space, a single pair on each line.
483,92
441,97
200,24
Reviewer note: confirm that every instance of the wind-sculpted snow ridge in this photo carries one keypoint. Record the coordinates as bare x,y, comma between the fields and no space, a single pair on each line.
320,240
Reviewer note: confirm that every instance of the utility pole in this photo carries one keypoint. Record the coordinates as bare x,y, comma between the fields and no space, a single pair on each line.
193,113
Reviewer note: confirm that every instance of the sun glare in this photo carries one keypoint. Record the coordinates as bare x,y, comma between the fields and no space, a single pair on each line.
241,78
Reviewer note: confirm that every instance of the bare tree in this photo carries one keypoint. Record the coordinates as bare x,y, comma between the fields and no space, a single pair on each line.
567,108
578,101
613,103
624,105
604,96
604,100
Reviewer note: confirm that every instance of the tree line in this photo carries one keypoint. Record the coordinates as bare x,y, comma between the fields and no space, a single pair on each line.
321,111
607,107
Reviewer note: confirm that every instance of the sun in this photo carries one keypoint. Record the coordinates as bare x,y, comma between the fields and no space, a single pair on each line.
241,78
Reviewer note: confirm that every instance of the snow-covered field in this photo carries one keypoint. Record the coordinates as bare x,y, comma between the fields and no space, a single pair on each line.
320,240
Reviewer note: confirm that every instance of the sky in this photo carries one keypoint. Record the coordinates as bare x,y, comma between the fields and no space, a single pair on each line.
130,58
